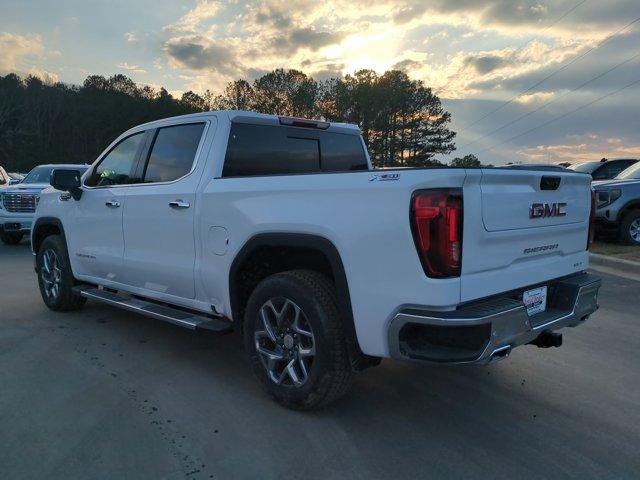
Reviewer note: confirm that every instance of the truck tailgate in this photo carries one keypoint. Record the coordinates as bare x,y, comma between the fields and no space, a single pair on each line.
522,227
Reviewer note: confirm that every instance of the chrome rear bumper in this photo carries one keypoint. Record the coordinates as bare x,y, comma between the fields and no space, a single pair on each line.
487,330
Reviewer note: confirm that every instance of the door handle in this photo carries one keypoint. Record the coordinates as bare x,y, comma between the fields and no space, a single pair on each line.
179,204
112,204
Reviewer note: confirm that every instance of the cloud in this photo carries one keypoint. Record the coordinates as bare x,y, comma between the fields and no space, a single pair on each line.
131,37
273,15
326,71
407,65
490,50
518,15
533,98
306,37
582,135
596,63
583,148
197,52
15,48
232,40
47,78
189,22
133,68
472,73
484,64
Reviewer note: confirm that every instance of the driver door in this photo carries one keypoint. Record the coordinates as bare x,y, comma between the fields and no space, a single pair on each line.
97,241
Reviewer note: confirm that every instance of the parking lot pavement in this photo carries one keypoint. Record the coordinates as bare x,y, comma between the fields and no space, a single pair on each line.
103,393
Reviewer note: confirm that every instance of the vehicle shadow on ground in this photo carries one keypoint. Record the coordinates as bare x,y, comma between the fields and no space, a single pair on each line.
214,361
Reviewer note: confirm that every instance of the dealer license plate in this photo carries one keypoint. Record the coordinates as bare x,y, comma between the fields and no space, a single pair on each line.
535,300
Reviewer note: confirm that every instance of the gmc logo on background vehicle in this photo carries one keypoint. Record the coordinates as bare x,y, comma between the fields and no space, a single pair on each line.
543,210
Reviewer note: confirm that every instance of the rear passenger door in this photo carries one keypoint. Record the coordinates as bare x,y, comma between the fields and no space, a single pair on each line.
159,213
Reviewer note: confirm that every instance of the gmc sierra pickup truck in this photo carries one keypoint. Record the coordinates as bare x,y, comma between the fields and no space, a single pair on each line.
279,228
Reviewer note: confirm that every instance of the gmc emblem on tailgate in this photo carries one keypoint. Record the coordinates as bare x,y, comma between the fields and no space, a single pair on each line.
543,210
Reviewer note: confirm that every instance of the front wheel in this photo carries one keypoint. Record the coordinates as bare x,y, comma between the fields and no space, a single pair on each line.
55,277
294,335
11,238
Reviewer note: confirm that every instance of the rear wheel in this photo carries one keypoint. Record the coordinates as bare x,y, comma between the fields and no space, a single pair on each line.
11,238
55,277
294,335
630,228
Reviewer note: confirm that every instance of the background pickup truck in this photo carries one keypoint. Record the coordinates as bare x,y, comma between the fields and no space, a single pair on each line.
279,227
18,202
618,206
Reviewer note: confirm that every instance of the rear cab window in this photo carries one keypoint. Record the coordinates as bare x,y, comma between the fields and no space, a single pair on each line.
255,150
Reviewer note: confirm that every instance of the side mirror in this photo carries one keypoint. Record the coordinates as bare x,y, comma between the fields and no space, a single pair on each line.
67,181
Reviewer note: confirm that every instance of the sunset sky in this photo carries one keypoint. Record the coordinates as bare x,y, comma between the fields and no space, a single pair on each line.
475,54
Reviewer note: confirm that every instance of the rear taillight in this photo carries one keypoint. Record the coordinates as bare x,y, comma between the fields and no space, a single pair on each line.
592,219
436,220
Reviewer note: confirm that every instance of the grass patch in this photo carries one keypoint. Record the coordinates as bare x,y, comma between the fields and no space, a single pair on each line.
614,250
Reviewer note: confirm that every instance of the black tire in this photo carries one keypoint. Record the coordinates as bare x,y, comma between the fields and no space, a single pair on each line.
11,238
329,373
628,226
64,299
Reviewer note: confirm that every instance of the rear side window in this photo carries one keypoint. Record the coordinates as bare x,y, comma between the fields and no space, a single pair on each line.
273,150
173,152
342,152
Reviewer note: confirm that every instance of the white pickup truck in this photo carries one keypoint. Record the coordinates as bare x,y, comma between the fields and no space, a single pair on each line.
279,228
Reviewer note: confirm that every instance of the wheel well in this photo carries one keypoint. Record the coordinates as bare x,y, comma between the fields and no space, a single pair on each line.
266,260
627,208
42,230
269,253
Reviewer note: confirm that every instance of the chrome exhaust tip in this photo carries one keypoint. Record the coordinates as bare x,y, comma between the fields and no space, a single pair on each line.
500,354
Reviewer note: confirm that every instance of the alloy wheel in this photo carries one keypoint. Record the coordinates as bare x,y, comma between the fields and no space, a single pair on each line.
284,341
634,230
51,273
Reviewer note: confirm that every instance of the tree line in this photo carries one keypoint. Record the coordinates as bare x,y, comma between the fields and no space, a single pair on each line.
402,121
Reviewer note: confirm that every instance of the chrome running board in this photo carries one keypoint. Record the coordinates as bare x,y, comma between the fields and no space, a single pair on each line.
182,318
